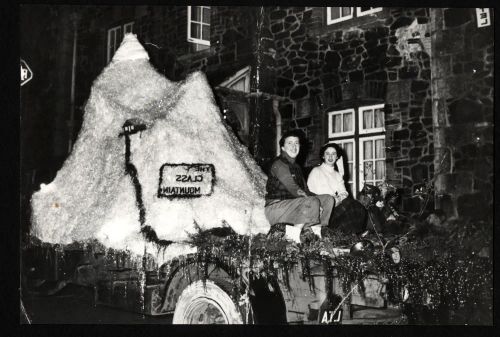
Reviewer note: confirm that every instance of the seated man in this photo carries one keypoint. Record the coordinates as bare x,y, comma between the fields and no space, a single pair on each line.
288,199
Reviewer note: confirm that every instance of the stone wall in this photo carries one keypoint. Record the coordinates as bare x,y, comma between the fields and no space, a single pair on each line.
387,57
383,57
463,109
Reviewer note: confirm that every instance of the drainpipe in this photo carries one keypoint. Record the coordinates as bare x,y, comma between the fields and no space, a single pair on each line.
71,123
277,115
439,113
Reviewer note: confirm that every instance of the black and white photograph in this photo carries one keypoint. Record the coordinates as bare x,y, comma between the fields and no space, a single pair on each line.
256,165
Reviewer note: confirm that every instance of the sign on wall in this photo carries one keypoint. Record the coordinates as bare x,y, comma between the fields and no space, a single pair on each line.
26,73
483,17
186,180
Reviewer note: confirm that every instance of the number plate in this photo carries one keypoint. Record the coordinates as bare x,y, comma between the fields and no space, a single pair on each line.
330,317
186,180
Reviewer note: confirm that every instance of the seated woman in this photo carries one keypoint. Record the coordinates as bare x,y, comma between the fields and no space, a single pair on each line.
348,215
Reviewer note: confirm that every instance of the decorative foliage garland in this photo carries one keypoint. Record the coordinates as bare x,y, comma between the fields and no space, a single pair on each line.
447,278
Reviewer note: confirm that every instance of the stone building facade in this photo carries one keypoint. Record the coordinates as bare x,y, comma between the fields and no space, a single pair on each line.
463,91
432,71
411,88
351,64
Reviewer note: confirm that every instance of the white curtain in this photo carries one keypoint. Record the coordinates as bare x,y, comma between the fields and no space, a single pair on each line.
380,169
337,123
367,119
368,149
379,118
348,126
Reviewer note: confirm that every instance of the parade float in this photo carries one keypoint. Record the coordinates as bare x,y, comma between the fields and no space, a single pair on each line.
160,209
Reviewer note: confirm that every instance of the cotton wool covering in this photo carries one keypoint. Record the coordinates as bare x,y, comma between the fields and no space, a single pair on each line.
93,197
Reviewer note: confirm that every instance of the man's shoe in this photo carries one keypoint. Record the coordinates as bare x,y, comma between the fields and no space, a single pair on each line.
307,235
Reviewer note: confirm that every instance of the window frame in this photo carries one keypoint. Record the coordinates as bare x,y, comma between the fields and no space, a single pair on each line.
357,10
362,109
353,180
331,133
357,138
370,11
362,160
122,27
189,37
329,19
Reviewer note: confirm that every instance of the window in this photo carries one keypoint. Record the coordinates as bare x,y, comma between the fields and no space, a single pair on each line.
341,122
361,133
349,148
372,152
199,25
372,119
338,14
115,37
360,11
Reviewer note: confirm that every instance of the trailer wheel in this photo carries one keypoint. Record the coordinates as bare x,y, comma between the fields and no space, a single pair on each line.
205,303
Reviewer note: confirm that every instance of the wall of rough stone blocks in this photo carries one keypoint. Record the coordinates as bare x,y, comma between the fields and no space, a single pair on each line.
463,106
387,57
383,57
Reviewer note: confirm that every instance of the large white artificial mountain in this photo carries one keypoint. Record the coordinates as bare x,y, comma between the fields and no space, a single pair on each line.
93,195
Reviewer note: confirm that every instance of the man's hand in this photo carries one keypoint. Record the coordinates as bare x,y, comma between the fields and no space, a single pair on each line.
339,197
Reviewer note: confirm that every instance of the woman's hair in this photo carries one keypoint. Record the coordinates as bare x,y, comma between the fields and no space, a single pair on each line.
326,146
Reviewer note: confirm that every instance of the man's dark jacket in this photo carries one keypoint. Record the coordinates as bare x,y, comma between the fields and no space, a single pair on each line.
285,179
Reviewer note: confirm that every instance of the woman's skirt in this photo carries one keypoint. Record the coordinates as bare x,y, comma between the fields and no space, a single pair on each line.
348,217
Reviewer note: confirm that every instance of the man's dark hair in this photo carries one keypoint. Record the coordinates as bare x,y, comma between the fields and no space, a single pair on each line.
326,146
290,133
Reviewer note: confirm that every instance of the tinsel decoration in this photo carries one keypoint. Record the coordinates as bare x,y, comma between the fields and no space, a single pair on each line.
436,275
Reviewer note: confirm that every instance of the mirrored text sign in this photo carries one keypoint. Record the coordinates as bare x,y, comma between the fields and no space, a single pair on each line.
186,180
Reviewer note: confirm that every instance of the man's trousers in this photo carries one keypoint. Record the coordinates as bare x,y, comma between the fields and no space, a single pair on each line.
301,210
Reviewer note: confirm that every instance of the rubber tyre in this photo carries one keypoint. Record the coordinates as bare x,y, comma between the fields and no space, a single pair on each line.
207,303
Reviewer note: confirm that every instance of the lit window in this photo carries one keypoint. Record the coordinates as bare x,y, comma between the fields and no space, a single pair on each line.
198,25
372,150
339,14
361,134
115,37
341,123
360,11
371,118
349,148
